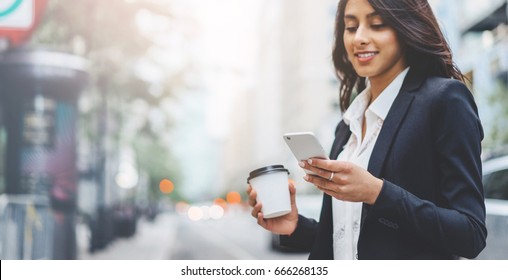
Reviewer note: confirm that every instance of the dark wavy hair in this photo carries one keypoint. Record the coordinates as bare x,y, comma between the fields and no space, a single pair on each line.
418,31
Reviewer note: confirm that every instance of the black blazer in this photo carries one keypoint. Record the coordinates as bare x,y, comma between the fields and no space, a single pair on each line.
431,205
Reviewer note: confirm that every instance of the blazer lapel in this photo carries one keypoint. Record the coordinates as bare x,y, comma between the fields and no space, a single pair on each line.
390,127
342,134
392,122
388,132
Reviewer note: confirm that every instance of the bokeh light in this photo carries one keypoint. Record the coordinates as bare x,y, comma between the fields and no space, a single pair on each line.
127,176
233,198
216,212
166,186
221,202
195,213
206,212
182,207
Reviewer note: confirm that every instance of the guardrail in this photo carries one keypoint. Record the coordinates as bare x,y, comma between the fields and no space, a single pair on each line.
26,227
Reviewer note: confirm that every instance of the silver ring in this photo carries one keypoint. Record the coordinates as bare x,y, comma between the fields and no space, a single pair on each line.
331,176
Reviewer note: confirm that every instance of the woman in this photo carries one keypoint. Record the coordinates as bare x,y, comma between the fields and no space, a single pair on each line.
406,182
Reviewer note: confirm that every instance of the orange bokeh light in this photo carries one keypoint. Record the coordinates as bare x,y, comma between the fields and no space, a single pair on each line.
221,202
233,197
166,186
182,207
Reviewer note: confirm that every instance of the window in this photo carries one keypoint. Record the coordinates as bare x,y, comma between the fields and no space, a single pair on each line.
496,185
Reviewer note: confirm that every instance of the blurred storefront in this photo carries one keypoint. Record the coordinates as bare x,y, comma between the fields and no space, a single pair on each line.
39,91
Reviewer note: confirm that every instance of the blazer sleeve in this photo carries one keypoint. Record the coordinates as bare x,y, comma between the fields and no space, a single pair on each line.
304,235
459,225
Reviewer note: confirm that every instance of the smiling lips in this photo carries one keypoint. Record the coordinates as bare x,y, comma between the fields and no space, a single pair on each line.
365,56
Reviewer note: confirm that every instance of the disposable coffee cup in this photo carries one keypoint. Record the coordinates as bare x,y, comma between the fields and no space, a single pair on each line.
271,185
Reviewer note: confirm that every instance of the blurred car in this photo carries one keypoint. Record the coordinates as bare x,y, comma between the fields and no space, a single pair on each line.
495,183
125,220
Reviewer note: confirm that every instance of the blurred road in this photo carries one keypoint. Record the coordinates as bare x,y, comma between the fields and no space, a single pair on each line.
152,241
235,236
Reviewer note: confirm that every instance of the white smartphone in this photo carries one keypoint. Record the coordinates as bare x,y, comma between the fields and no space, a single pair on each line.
305,145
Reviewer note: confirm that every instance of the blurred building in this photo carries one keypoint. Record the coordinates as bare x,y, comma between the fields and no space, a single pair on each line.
3,146
224,55
484,58
478,34
293,89
265,69
268,71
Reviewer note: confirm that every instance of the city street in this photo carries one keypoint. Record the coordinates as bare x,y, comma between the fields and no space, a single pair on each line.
129,129
236,236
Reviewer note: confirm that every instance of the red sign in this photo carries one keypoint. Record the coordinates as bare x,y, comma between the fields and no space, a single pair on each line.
18,19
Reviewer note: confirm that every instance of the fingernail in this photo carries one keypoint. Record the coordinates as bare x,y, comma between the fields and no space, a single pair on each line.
309,161
306,177
301,163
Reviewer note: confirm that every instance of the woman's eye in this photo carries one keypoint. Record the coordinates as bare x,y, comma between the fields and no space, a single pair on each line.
378,26
351,29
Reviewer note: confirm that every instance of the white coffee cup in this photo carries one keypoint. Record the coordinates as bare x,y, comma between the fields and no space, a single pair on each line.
271,185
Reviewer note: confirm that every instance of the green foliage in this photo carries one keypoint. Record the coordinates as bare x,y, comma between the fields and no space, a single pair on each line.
498,101
107,33
160,163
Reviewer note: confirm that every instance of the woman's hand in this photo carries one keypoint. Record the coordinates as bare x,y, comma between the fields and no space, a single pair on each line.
285,224
343,180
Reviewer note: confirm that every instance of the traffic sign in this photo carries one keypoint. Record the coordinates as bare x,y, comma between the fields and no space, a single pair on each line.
16,14
18,19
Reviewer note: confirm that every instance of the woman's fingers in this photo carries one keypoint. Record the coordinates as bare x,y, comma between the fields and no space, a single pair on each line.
330,165
256,209
256,206
321,183
261,220
292,193
325,174
252,196
330,170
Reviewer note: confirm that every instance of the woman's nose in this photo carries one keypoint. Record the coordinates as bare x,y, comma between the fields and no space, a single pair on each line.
361,36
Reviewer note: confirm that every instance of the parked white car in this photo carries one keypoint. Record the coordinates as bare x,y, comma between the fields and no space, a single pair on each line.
495,182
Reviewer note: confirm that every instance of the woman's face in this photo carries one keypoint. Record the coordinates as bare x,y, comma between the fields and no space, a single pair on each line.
372,47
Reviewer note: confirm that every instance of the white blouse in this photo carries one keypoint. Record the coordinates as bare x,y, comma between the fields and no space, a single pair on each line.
347,215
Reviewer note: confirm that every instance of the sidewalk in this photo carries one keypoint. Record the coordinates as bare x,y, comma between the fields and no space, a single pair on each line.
152,241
